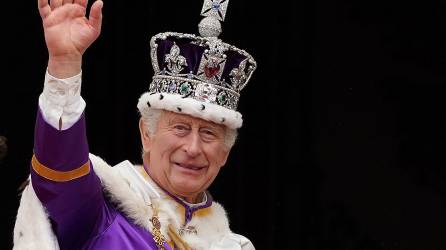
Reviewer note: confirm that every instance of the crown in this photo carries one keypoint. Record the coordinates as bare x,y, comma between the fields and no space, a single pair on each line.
199,75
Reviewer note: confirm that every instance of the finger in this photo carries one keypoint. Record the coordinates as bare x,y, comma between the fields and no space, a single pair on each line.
44,8
95,18
67,1
77,11
82,3
55,4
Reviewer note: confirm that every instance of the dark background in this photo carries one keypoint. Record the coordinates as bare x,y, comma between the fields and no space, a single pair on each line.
343,143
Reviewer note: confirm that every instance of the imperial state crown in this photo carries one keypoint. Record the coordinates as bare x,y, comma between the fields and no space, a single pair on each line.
201,75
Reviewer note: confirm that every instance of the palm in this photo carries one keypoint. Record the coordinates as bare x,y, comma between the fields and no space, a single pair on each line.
67,29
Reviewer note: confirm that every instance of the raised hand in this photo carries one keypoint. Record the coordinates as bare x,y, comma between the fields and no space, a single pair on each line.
68,32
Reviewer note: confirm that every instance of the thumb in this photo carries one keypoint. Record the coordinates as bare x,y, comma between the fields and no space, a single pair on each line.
95,18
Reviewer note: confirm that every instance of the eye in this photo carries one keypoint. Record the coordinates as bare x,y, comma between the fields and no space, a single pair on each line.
181,129
208,134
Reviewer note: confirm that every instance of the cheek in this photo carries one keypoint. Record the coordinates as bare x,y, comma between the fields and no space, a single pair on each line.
216,155
168,146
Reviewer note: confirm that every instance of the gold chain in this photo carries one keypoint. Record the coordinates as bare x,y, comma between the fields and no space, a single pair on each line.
157,236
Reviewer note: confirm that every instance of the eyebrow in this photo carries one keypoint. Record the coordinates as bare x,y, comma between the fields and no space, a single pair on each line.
187,120
178,120
201,125
214,127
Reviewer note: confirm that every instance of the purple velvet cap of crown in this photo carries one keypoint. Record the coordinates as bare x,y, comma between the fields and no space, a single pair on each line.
193,53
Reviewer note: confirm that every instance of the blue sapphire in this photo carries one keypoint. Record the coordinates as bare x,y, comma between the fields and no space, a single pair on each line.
172,86
215,6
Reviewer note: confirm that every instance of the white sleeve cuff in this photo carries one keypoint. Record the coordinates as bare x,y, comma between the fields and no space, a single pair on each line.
61,100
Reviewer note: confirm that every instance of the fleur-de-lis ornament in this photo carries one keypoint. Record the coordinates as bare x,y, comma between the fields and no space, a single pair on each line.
175,61
238,75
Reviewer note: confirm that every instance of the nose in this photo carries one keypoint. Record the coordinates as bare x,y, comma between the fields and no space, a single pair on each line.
193,144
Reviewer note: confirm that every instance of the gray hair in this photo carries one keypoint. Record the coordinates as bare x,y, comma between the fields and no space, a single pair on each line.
150,118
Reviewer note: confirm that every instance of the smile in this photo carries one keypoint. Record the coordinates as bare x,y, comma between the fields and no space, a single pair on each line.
189,166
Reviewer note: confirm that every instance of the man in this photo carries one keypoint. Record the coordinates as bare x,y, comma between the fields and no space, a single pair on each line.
188,126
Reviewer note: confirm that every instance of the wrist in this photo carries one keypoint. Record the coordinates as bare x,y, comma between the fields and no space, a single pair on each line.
64,67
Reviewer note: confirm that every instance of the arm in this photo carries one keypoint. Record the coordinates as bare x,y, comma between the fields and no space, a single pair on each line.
61,173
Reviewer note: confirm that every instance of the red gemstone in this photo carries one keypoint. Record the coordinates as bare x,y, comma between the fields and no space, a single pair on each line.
211,70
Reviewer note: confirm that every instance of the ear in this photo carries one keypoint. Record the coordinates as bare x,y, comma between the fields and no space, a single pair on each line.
145,136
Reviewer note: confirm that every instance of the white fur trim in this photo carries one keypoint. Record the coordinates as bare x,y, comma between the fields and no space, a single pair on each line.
123,191
212,112
32,228
217,224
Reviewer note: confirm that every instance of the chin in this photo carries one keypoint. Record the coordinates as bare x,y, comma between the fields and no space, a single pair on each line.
187,187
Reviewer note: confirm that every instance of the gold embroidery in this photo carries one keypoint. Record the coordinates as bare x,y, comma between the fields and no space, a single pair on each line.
203,212
59,176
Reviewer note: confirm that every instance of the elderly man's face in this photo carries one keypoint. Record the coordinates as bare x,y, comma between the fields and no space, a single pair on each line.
186,153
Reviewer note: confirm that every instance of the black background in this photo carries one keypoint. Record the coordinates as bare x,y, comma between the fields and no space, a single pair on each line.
343,143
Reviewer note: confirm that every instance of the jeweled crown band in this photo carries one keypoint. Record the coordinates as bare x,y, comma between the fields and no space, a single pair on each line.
198,90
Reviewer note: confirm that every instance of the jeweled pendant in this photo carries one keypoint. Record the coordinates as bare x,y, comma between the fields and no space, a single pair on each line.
211,69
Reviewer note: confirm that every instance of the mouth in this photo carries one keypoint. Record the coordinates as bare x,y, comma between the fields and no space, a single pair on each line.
191,167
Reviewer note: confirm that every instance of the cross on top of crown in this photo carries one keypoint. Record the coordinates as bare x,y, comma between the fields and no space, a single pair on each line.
215,8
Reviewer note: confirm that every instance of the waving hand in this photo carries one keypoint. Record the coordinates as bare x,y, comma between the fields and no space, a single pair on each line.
68,32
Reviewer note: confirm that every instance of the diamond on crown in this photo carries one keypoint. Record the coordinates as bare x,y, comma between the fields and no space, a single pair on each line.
206,92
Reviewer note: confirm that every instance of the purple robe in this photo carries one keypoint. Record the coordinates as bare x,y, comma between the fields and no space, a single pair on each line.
81,215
